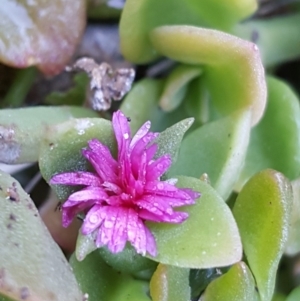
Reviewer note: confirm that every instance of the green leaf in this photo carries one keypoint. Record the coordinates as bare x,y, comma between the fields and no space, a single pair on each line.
26,38
139,17
102,283
175,87
141,104
32,266
218,149
208,238
220,54
275,141
236,285
294,295
263,213
23,130
293,243
61,149
170,283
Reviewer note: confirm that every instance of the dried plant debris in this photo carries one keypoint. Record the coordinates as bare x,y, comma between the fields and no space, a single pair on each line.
106,84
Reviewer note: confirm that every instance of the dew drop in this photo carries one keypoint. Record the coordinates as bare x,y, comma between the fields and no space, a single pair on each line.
126,136
160,186
94,219
203,252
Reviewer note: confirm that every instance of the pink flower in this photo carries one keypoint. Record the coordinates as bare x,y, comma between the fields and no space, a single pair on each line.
122,194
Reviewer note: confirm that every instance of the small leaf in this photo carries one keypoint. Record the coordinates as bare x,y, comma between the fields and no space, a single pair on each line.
263,213
175,87
170,283
61,149
218,149
236,285
32,266
23,130
102,283
275,141
220,54
208,238
169,141
26,38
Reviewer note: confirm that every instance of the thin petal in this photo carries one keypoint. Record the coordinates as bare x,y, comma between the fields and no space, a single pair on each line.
70,211
107,227
90,193
112,187
135,232
101,165
144,129
176,218
93,219
119,237
157,168
151,150
150,243
76,178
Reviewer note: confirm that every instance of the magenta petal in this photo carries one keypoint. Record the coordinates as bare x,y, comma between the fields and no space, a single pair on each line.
107,227
150,243
90,193
76,178
93,219
157,168
119,237
144,129
151,150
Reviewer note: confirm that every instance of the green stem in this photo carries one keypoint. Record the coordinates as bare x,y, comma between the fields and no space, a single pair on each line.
277,38
20,87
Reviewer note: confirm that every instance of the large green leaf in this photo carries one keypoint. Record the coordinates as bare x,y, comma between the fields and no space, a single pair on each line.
39,32
22,131
139,17
32,266
170,283
102,283
236,285
220,54
275,141
208,238
218,149
263,213
294,295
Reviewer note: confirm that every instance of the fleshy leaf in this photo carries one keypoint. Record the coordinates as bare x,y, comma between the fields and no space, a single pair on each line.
26,38
293,243
141,104
275,141
218,149
294,295
102,283
23,130
220,53
175,87
61,149
32,266
208,238
236,285
263,213
170,283
139,17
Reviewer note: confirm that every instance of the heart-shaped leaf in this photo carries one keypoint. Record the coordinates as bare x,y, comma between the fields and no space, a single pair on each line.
32,266
170,283
236,285
220,53
263,213
218,149
208,238
26,38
